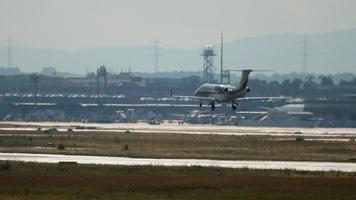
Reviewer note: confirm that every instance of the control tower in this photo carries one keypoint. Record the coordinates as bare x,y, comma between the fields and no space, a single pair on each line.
208,67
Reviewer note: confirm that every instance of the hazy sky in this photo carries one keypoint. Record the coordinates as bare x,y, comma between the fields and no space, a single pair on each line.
75,24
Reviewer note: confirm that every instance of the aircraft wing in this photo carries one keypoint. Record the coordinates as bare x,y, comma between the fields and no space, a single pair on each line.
265,112
195,98
299,113
251,112
261,98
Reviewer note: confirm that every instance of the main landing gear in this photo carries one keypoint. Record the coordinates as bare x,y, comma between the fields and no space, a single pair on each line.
234,106
212,106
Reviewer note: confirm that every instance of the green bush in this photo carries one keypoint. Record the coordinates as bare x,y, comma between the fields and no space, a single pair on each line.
126,147
60,147
50,130
5,167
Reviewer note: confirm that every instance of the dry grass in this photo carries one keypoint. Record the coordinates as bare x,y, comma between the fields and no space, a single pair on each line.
161,145
54,181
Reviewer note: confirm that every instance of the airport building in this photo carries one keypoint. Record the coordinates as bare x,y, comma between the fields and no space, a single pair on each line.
138,99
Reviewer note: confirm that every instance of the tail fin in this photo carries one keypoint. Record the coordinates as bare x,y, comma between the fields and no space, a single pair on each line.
245,75
244,78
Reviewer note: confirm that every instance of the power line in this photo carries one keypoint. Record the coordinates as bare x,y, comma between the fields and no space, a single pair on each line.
305,54
156,49
221,57
9,52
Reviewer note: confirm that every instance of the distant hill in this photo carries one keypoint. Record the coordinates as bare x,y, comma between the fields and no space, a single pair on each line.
328,53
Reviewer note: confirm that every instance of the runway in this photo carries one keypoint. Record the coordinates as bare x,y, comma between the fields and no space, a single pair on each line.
102,160
173,128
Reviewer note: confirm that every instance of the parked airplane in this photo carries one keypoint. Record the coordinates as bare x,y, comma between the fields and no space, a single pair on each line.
225,93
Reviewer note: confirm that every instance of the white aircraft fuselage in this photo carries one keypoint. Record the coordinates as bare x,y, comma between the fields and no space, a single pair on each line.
220,92
225,93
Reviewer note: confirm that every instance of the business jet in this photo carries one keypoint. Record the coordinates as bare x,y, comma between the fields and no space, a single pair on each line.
226,93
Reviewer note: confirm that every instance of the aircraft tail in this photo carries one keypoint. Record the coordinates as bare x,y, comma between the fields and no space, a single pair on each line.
245,75
244,78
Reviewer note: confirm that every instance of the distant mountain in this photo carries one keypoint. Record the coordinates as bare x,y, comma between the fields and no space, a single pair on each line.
327,53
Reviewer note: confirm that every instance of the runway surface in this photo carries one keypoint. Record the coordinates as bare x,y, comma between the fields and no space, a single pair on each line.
174,128
102,160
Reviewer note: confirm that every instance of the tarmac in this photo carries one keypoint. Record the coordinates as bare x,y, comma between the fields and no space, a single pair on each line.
173,128
104,160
